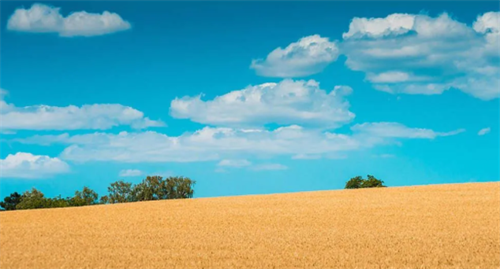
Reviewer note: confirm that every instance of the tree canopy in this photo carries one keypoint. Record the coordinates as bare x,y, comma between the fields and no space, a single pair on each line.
359,182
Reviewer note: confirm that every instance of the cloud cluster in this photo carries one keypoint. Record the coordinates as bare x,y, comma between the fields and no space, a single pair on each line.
27,165
226,143
41,18
309,55
404,53
419,54
287,102
96,116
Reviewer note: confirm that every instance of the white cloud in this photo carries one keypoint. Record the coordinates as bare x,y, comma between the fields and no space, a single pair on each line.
397,130
484,131
269,167
287,102
96,116
130,173
309,55
419,54
42,18
234,163
227,143
393,24
27,165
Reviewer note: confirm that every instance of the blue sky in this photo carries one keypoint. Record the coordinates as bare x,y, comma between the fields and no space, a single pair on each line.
295,96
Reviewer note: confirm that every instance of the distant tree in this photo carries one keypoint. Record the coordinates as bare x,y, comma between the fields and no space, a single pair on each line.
359,182
372,182
151,188
354,183
10,202
120,192
57,202
32,199
179,187
85,197
104,200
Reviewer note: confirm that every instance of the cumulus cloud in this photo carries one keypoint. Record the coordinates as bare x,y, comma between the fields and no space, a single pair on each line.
287,102
484,131
42,18
309,55
130,173
226,143
96,116
419,54
27,165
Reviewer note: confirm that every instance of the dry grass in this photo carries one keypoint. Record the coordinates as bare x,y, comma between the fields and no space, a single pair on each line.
441,226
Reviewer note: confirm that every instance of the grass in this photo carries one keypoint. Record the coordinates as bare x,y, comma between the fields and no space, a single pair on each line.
438,226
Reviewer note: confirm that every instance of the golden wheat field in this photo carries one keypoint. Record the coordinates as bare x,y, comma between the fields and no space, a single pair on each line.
438,226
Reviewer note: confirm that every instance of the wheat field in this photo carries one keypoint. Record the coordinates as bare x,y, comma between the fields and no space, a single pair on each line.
437,226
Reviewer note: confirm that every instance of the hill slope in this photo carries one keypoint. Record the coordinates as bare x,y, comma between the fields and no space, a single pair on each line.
454,225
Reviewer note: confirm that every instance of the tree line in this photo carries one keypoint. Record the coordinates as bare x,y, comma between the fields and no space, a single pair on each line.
151,188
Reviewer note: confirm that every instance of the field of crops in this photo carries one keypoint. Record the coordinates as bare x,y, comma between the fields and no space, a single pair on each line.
439,226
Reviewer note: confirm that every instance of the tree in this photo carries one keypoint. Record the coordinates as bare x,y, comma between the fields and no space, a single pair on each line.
151,188
10,202
372,182
354,183
359,182
179,187
32,199
104,200
85,197
120,192
57,202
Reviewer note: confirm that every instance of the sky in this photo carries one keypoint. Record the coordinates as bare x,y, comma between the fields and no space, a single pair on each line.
248,97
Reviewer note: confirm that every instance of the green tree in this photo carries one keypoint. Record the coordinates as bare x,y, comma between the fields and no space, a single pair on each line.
354,183
32,199
151,188
104,200
372,182
57,202
179,187
85,197
359,182
120,192
10,202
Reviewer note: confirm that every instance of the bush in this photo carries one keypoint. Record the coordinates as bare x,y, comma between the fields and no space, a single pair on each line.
359,182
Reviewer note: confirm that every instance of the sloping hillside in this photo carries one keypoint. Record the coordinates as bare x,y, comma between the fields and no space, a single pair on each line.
427,226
